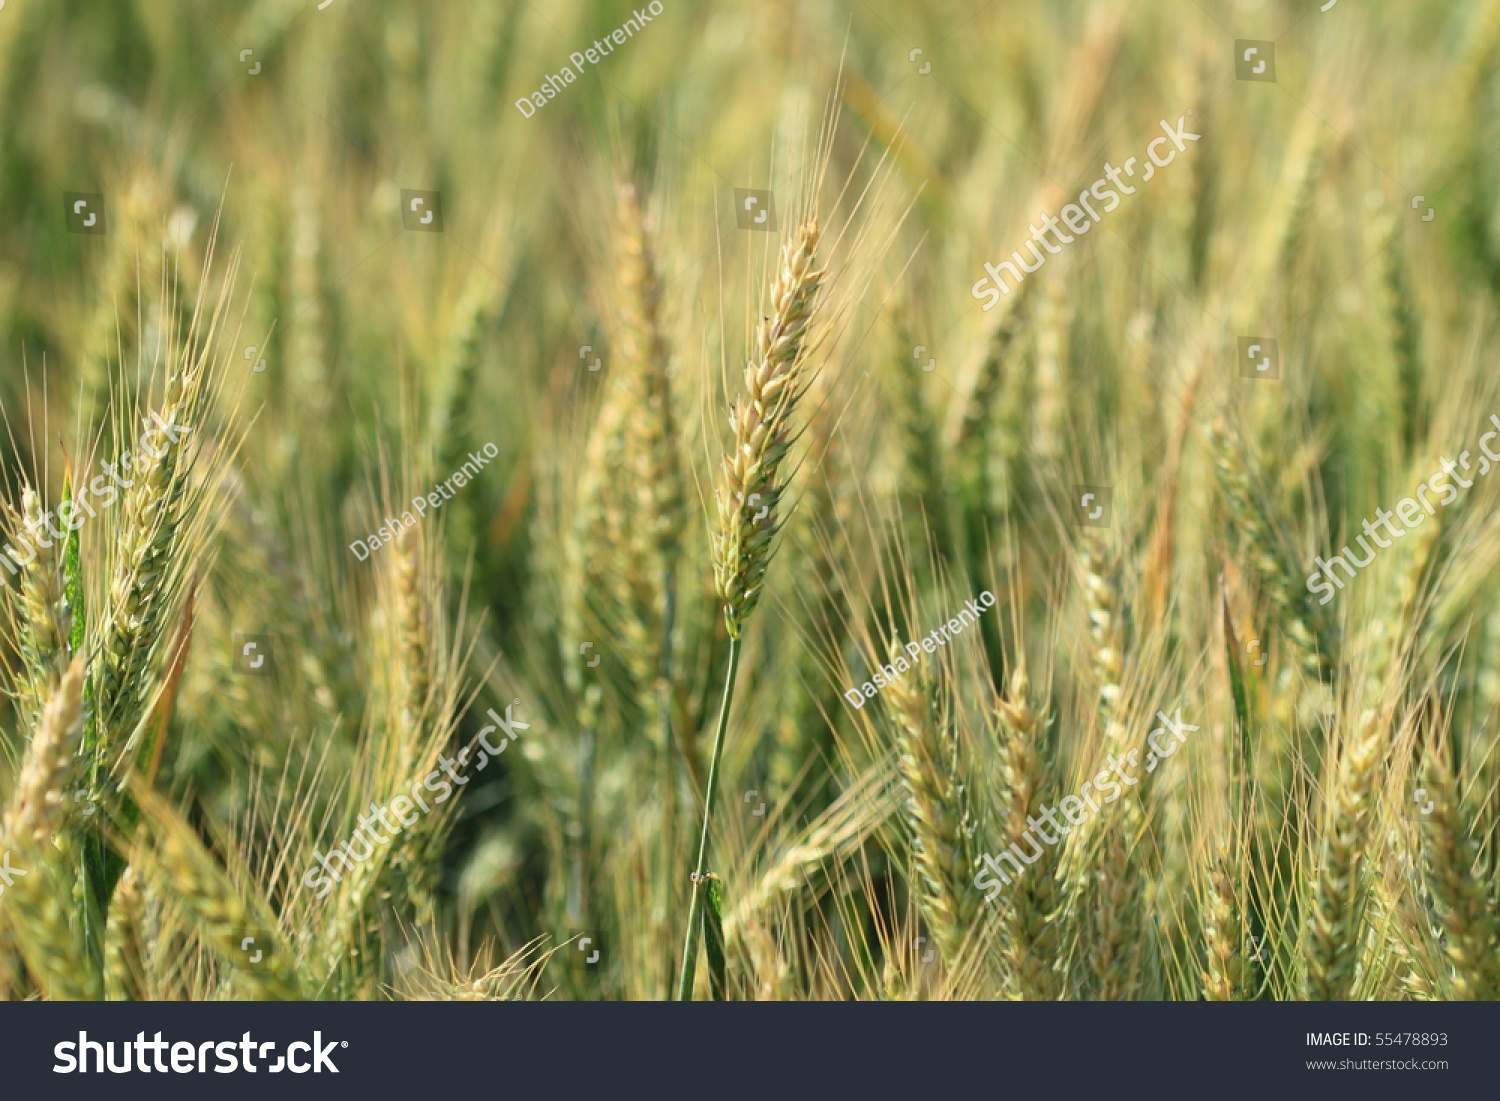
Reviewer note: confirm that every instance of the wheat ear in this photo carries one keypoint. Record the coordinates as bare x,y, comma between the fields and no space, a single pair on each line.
651,433
411,630
51,943
936,808
37,808
1029,932
45,622
1310,636
1102,600
1112,895
1115,952
154,514
1454,871
176,863
749,497
124,971
1224,972
653,542
409,874
1338,893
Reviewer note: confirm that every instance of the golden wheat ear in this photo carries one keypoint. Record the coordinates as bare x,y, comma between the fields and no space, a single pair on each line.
751,486
749,498
43,622
231,917
644,581
40,904
1031,921
1339,889
1453,866
124,970
1224,973
937,811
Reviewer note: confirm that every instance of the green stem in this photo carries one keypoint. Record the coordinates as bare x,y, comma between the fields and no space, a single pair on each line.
695,911
662,701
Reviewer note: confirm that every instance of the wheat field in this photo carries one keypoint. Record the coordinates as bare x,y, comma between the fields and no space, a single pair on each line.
385,381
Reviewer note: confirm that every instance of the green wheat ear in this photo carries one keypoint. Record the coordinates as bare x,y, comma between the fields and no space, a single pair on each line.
713,935
91,852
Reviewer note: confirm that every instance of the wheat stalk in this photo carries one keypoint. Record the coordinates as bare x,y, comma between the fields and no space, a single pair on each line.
745,539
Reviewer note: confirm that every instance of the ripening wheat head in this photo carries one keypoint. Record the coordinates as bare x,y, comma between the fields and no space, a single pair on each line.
42,620
650,434
38,920
750,492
